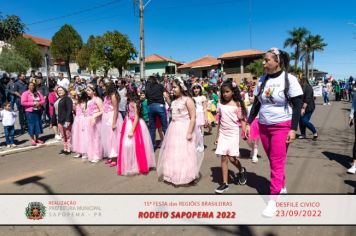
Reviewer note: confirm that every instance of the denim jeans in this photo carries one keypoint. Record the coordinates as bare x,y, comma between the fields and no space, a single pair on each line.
326,97
305,123
9,134
156,110
123,114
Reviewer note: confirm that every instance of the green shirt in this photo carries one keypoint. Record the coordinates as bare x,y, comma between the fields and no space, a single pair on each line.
215,99
144,110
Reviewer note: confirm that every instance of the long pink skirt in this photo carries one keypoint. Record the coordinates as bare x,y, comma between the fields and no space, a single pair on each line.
179,159
110,139
136,154
80,135
95,149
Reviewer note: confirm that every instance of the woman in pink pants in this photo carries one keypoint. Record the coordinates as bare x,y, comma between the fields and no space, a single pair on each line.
278,104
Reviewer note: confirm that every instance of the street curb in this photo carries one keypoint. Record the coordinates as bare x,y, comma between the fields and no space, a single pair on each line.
28,148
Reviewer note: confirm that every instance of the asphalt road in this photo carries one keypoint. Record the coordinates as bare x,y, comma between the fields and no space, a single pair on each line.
312,167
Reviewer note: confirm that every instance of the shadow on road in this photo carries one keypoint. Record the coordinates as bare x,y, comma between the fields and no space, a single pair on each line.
260,183
47,137
216,175
352,184
341,159
35,180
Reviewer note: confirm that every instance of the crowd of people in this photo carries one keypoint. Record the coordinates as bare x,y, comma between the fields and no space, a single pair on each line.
117,121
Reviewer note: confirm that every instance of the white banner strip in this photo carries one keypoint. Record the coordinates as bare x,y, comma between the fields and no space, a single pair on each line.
175,210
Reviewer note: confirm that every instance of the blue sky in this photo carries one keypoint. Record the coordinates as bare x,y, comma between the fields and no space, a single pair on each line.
189,29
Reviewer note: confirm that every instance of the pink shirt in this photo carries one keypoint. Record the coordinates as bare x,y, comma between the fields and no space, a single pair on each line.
28,102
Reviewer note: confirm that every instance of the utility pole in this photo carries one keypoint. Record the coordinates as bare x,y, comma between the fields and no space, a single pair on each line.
142,43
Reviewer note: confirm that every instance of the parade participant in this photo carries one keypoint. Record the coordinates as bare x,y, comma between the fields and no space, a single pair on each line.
63,108
201,110
8,118
156,106
231,112
79,129
144,107
278,103
32,102
94,113
326,92
111,123
254,138
136,155
179,159
308,108
352,169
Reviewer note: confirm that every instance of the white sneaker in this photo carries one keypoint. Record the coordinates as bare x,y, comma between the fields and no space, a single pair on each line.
352,170
329,103
270,210
283,191
324,104
94,161
58,137
254,159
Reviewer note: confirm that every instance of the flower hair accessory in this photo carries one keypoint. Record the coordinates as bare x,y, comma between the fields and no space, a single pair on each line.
234,84
276,52
181,84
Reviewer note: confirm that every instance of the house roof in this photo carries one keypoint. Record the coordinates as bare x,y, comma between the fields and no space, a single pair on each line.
157,58
38,40
241,53
201,62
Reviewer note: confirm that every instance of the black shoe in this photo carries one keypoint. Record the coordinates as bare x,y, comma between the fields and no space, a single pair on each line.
67,153
315,137
222,188
242,175
62,152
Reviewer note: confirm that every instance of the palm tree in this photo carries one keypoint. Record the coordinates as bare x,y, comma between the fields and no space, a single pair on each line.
311,45
297,36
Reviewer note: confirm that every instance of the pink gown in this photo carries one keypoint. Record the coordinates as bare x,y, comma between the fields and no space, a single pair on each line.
79,130
95,149
110,138
136,154
179,159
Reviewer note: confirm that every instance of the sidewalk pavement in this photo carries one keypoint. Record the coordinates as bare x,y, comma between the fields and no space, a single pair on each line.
23,140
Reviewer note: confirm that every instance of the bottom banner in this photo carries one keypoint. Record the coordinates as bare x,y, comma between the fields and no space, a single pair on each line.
178,210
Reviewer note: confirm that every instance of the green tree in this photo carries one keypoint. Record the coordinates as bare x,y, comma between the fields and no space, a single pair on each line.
11,27
28,49
83,57
114,49
297,35
256,68
11,61
66,44
85,53
312,44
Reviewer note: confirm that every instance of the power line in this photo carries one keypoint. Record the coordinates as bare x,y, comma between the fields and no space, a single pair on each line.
75,13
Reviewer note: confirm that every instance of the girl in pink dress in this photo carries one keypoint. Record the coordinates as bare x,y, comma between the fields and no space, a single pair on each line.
94,113
231,112
79,130
111,124
179,159
136,155
201,111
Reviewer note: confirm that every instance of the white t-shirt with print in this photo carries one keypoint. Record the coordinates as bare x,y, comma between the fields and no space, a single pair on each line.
273,102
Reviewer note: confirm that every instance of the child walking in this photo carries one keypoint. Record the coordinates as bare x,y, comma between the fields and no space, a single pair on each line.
231,112
201,111
8,118
111,124
136,155
179,159
79,129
